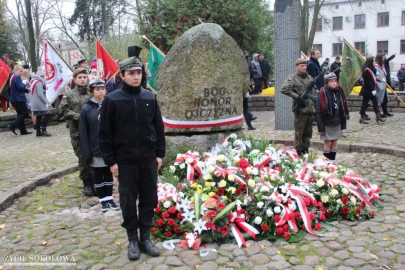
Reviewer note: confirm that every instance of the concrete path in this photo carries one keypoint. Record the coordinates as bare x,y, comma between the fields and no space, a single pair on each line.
55,219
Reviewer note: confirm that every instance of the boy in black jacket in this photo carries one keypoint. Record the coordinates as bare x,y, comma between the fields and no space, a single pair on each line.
132,142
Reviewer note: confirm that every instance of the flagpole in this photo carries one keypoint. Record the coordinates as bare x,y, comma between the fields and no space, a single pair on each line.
151,88
386,84
151,43
49,43
304,55
98,68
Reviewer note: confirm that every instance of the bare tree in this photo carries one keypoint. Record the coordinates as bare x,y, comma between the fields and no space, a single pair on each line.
307,30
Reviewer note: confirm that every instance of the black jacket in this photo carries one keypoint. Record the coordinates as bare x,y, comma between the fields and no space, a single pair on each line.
325,120
401,74
369,84
88,130
387,68
334,68
131,127
265,67
313,69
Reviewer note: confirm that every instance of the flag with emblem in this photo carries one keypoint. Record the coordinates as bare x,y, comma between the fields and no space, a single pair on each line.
57,72
351,71
107,68
4,74
155,59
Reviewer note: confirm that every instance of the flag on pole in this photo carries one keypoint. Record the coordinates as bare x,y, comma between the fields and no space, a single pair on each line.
154,60
106,66
4,73
57,72
352,71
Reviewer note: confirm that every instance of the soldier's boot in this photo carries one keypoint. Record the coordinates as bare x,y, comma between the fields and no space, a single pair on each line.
133,245
93,188
87,190
145,244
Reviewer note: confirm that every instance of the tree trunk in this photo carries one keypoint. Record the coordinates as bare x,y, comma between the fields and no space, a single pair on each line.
105,17
31,36
307,32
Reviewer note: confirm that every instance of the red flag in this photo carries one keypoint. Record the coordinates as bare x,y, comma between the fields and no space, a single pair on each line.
4,73
106,65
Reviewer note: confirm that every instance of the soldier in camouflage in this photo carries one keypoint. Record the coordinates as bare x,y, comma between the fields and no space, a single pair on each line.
293,87
70,110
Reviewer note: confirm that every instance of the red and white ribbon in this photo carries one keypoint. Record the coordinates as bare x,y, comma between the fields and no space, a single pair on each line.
291,152
224,172
239,221
191,159
167,191
202,124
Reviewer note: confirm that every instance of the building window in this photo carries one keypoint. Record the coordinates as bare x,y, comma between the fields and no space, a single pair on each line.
317,47
359,21
360,4
383,19
382,1
319,25
361,47
337,7
403,17
402,47
382,46
337,23
337,49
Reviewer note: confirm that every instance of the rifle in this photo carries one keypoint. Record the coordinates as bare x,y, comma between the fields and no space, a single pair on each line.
308,88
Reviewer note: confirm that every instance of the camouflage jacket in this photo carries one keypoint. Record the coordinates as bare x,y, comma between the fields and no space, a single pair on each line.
294,86
71,106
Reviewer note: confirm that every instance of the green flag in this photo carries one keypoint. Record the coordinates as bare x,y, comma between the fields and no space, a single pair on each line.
154,61
351,71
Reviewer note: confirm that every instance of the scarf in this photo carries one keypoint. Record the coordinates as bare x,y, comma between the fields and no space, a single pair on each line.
327,97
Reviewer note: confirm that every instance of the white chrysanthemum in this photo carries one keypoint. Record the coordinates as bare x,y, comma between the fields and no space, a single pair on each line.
222,184
201,164
207,177
181,194
325,198
345,191
167,204
232,190
353,199
249,170
231,178
274,177
277,209
264,189
260,205
221,158
213,184
182,166
333,192
255,151
258,220
211,169
269,213
236,159
172,169
255,171
324,174
292,206
339,201
251,183
320,183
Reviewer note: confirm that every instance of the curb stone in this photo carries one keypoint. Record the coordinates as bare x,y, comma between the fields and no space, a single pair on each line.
42,179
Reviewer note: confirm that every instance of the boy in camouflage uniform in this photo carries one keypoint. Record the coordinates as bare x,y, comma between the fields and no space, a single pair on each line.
293,87
70,110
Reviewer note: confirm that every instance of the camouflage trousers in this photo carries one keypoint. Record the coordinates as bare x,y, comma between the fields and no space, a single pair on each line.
85,173
303,131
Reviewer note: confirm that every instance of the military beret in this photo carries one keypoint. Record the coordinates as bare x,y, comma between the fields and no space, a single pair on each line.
96,83
81,61
78,71
329,77
300,61
132,63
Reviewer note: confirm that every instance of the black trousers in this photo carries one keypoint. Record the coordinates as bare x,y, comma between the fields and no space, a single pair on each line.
22,113
137,181
246,113
257,88
103,182
364,105
42,121
384,104
401,85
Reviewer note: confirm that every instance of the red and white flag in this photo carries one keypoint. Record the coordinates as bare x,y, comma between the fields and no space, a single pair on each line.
57,72
4,73
106,66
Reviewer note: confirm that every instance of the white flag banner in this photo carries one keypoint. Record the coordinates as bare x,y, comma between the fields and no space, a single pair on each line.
57,72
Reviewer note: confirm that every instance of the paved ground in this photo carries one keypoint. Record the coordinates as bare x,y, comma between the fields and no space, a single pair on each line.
57,220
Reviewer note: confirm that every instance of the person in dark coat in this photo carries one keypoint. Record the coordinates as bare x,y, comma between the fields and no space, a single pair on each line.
265,68
387,67
17,98
132,141
325,64
331,114
313,68
368,90
335,67
401,77
88,129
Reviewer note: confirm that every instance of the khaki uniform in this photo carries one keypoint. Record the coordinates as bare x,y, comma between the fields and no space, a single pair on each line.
293,87
70,110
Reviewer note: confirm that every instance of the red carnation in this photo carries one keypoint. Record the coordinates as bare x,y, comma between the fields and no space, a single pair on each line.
358,211
221,191
243,163
277,168
210,225
220,206
345,200
345,210
211,214
287,235
216,197
177,230
328,213
363,205
320,205
154,229
157,209
285,227
276,218
322,217
315,203
371,214
165,215
172,210
279,231
238,191
244,187
168,234
318,226
160,222
265,227
171,222
307,201
224,230
311,215
179,215
298,215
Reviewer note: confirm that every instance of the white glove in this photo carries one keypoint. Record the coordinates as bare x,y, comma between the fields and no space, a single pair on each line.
374,92
247,95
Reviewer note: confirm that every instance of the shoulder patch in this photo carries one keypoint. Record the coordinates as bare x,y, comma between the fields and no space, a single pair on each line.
289,79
